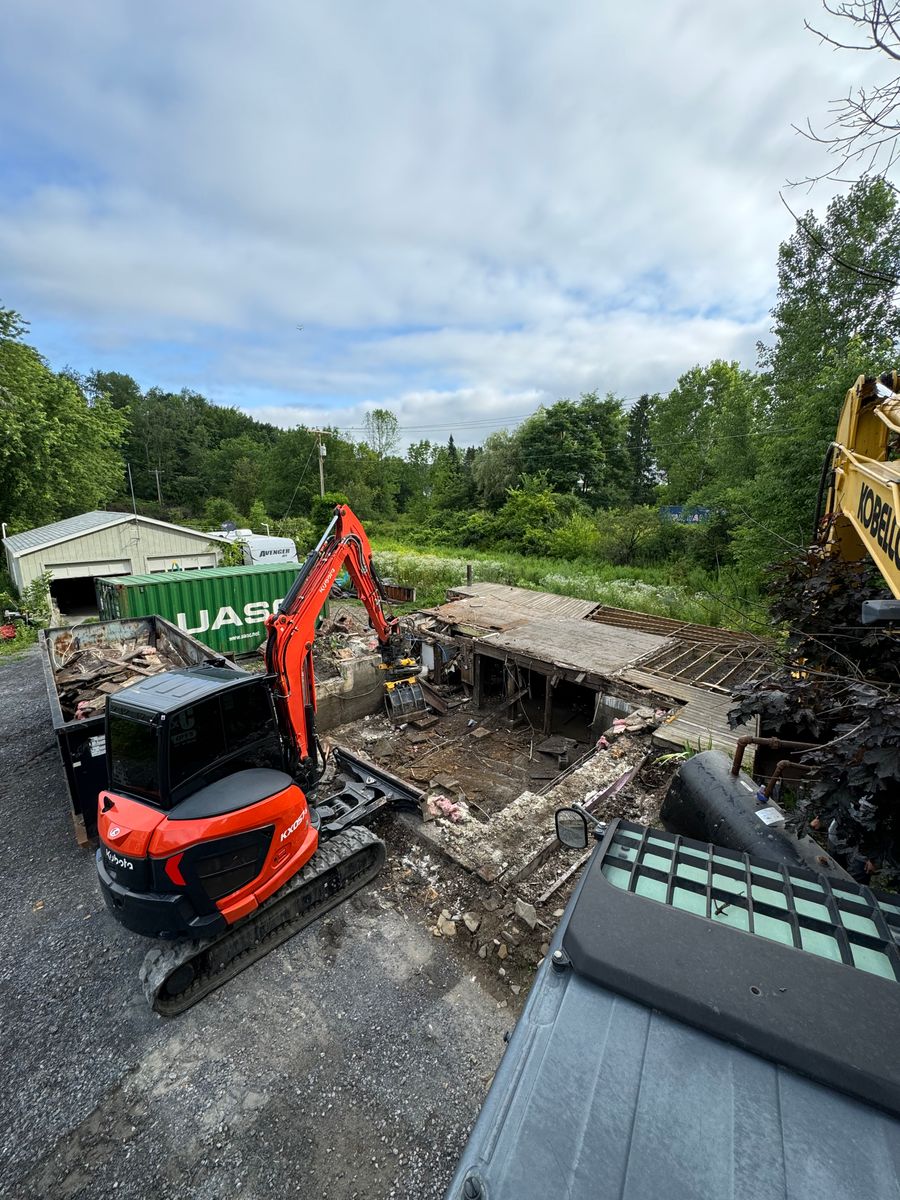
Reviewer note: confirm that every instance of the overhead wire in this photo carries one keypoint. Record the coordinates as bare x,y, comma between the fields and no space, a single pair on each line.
299,481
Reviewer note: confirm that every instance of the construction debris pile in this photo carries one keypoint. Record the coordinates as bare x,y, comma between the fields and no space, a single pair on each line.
341,637
486,863
86,677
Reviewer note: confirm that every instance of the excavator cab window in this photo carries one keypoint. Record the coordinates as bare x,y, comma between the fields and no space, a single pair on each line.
219,735
165,756
196,741
134,755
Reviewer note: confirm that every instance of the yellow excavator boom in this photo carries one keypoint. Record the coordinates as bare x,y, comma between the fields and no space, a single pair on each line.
859,500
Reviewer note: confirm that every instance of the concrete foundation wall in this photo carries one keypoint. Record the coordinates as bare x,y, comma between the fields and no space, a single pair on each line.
356,693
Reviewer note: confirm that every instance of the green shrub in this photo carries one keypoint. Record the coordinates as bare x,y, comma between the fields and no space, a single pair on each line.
577,538
322,509
300,529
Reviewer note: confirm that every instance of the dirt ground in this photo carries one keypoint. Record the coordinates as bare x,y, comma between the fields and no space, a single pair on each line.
472,877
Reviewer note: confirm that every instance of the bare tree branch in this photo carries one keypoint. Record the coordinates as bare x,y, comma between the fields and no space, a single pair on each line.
864,131
813,237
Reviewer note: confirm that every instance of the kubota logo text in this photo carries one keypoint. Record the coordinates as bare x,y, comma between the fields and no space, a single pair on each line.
116,860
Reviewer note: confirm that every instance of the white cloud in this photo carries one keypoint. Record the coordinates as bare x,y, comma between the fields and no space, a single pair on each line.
469,208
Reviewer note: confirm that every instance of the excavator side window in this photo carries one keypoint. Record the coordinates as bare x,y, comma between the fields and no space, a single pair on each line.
247,716
133,755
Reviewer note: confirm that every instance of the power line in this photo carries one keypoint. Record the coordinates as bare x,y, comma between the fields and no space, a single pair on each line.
299,481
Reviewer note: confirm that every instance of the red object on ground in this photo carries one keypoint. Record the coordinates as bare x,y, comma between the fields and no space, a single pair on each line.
7,632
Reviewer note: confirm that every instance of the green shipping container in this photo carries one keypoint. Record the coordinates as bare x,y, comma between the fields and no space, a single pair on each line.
223,607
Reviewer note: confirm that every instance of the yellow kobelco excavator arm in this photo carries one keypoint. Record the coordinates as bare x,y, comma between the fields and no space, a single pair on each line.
859,495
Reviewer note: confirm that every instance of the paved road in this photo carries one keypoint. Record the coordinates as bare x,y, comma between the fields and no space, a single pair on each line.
348,1063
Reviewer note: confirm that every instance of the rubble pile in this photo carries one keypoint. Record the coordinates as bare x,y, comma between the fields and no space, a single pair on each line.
341,637
86,677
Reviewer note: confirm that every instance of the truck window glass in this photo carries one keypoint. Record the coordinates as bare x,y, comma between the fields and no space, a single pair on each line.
195,740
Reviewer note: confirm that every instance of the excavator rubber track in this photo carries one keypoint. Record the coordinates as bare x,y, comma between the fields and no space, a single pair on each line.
176,976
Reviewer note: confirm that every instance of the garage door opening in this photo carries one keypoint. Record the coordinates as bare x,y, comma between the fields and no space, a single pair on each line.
75,599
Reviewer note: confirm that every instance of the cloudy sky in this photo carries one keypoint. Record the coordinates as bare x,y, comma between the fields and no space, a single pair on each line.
469,208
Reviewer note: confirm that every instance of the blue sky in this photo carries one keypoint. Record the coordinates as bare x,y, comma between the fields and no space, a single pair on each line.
469,209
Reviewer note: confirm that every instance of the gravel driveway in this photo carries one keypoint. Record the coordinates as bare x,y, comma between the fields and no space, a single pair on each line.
348,1063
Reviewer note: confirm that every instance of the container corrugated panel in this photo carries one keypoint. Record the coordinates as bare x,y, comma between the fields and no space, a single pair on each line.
224,607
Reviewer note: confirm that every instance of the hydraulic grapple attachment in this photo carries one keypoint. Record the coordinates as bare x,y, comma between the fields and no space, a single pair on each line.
404,699
403,696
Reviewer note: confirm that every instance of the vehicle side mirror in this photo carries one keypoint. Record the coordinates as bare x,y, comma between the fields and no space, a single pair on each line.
572,828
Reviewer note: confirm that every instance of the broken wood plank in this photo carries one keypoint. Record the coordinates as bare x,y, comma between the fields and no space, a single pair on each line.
433,699
425,722
417,736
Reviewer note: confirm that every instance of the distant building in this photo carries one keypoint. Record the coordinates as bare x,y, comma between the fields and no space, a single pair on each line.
78,550
685,516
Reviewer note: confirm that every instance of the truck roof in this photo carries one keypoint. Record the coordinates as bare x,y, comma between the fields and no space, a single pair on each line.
718,1043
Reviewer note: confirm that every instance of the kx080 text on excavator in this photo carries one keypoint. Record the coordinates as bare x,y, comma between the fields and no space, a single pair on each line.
214,837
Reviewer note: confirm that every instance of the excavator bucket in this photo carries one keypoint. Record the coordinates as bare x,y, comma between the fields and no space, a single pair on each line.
404,699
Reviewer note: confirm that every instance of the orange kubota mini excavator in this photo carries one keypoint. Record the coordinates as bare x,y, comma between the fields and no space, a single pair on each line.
213,834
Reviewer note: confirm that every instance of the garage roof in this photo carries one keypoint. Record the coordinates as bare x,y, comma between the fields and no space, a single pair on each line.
73,527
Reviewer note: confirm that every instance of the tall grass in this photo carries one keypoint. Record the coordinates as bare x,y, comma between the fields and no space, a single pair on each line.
690,594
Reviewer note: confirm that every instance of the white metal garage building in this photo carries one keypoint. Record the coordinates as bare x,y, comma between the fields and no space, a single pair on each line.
78,550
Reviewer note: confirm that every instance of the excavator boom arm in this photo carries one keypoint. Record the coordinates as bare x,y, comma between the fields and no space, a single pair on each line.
862,512
292,631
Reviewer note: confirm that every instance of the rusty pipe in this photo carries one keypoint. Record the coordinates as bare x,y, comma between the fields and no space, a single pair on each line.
780,767
771,743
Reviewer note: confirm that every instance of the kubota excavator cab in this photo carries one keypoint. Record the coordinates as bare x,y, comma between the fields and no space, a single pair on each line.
199,804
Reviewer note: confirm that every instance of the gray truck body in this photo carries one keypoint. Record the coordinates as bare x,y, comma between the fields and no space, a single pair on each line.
604,1095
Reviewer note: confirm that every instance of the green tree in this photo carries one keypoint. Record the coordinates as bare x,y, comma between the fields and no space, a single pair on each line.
835,317
452,485
531,514
120,390
258,518
497,468
626,531
580,444
323,510
703,432
217,511
382,431
416,479
640,450
59,452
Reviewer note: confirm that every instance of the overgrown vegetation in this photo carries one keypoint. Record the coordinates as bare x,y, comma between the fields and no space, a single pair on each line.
691,595
838,686
34,606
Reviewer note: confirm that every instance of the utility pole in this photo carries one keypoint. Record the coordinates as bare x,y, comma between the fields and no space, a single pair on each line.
158,489
322,452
